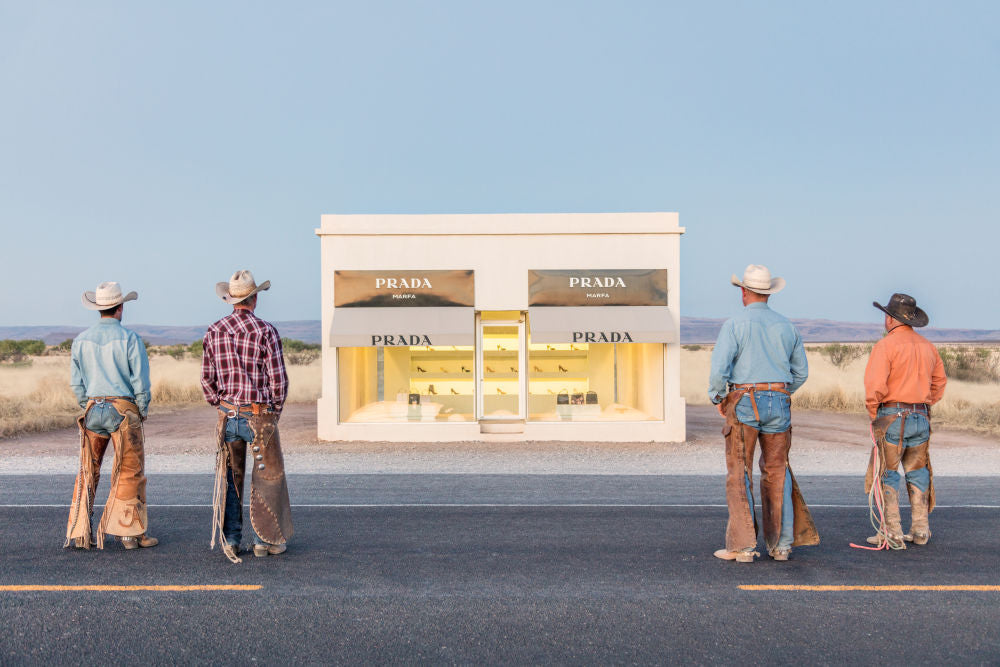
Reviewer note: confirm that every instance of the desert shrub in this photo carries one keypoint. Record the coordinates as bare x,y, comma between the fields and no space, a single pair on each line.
841,355
197,348
692,348
64,347
299,353
20,350
834,400
972,364
50,405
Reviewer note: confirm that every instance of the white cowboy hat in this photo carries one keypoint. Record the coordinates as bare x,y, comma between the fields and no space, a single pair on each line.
757,278
240,287
107,295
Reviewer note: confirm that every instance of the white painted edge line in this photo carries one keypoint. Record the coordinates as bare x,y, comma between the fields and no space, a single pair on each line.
525,505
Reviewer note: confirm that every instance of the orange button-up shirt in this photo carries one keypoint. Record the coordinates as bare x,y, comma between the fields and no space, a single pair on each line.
905,367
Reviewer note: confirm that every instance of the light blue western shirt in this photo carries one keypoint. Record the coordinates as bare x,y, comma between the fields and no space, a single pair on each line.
110,360
758,345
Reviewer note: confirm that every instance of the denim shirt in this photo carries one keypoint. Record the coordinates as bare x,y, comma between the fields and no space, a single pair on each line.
758,345
110,360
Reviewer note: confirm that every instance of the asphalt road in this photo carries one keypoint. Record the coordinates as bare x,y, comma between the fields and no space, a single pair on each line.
499,569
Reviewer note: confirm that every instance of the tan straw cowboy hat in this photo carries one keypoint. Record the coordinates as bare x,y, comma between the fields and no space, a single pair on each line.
757,278
903,308
240,287
107,295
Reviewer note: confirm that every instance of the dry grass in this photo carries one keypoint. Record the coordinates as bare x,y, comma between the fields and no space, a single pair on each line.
966,404
36,397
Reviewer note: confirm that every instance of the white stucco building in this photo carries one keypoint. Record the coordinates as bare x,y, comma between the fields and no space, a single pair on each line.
512,326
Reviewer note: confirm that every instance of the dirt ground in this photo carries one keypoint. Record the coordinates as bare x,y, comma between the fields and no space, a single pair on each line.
823,443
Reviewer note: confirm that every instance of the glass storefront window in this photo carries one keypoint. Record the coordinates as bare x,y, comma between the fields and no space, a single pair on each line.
595,382
501,384
406,384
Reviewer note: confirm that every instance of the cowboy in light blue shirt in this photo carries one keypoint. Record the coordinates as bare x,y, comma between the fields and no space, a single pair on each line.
110,360
110,378
757,362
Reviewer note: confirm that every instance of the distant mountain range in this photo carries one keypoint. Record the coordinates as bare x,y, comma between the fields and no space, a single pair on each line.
693,330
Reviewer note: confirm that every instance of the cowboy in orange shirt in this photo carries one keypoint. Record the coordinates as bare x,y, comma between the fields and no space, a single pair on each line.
903,379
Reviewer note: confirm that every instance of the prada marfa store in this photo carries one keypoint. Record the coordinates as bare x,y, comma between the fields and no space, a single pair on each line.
514,326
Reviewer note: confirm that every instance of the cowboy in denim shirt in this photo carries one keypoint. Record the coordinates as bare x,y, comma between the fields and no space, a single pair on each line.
757,362
110,378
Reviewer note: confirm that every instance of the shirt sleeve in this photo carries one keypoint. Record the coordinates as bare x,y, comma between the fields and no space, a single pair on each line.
938,378
209,379
876,379
275,366
723,355
138,362
76,376
798,364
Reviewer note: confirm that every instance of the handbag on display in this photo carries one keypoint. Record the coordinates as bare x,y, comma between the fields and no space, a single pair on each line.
414,399
577,399
562,398
591,397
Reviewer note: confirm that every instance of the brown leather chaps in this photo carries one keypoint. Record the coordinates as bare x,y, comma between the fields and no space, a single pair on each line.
891,456
125,512
270,508
741,530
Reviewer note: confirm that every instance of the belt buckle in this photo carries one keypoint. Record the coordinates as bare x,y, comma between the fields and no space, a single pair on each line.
231,413
99,401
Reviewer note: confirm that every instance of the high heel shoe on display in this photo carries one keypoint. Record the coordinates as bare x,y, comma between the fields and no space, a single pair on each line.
537,369
465,370
549,347
490,370
444,370
564,370
500,391
420,370
453,391
513,369
430,389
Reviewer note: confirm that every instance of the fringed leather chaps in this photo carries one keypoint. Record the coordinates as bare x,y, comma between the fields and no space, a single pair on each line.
890,456
125,512
270,507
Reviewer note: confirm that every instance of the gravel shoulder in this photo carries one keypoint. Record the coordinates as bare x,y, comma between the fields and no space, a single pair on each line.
181,441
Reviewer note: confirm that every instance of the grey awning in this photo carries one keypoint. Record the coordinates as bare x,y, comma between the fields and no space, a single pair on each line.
379,327
601,324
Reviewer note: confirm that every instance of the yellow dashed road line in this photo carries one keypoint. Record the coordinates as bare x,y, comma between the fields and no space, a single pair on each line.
98,587
797,587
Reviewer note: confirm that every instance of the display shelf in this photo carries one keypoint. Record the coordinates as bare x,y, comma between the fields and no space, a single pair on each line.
440,376
555,376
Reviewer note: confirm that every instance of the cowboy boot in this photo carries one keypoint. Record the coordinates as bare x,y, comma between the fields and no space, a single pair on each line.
920,531
893,521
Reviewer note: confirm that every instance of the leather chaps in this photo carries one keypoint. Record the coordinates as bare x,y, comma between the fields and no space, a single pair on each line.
742,527
125,512
270,508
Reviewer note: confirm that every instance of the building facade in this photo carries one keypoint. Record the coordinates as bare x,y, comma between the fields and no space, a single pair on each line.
507,326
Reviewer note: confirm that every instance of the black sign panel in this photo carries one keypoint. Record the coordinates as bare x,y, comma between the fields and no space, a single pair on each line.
403,288
597,287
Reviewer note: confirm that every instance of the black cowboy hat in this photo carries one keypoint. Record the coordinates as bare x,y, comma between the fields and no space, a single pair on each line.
903,307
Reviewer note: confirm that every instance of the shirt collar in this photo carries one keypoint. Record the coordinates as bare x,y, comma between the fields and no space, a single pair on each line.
899,327
109,322
757,305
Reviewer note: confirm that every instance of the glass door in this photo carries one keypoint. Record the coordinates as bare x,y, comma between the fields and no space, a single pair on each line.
500,378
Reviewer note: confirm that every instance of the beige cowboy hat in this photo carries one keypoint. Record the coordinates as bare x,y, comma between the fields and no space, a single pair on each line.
757,278
240,287
107,295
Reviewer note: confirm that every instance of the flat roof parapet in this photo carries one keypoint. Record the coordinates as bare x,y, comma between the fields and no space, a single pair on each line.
503,224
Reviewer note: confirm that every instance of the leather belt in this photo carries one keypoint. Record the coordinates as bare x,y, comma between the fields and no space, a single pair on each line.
912,407
108,399
760,386
233,410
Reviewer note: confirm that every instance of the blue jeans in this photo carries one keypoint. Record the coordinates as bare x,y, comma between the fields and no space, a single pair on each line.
237,428
103,419
774,409
917,432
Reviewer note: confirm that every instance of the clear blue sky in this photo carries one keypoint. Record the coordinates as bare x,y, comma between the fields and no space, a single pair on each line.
851,146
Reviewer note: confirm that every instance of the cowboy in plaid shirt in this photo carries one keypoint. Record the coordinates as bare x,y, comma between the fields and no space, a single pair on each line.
243,375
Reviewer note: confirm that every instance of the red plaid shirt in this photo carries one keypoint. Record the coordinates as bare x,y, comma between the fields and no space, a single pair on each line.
242,362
